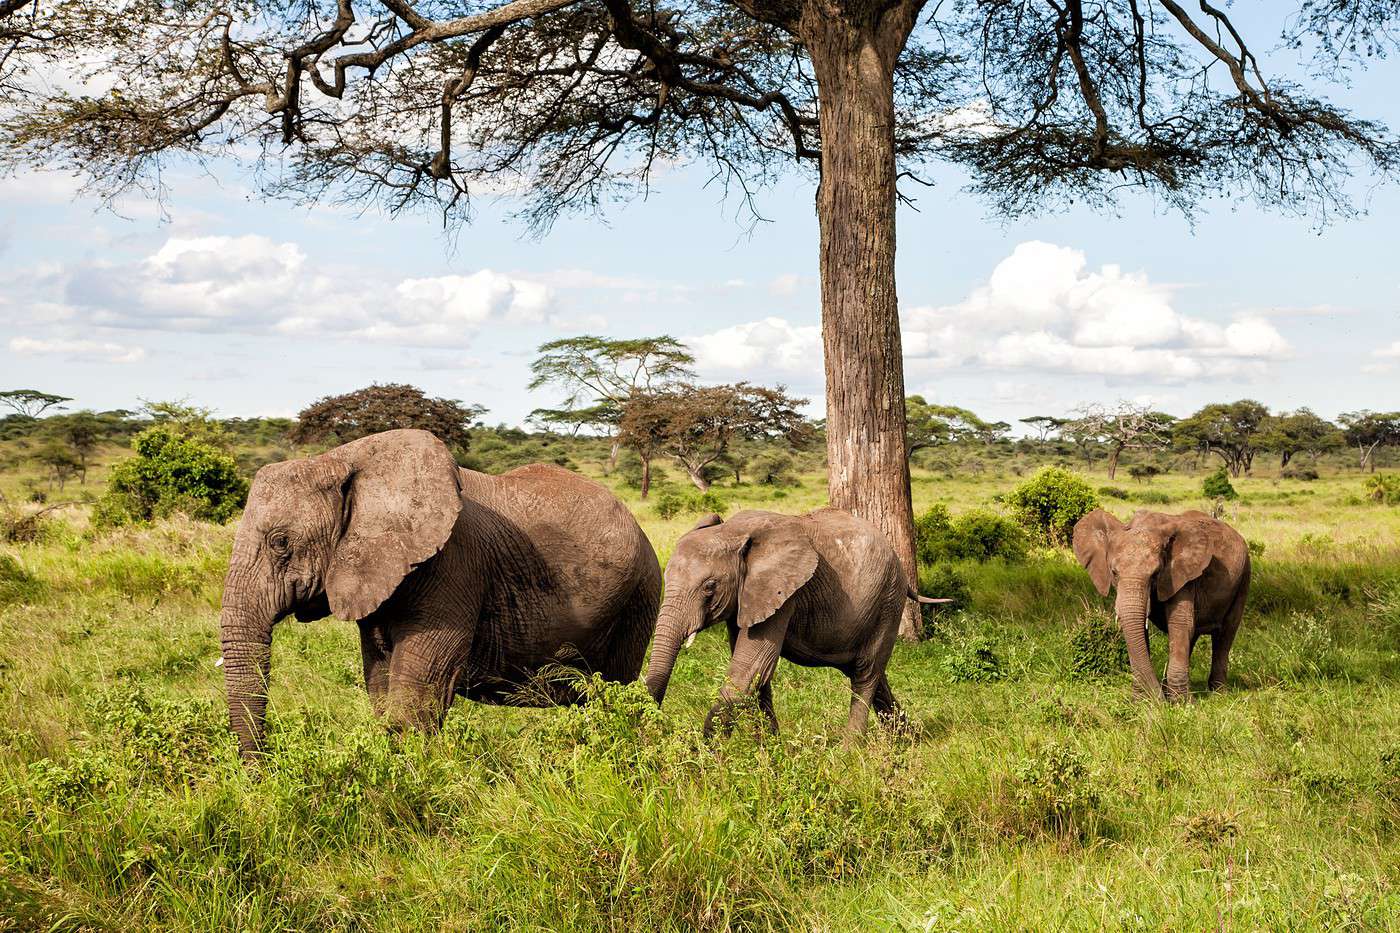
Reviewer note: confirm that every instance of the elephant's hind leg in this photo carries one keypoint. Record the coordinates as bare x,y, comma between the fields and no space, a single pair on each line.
422,675
1222,640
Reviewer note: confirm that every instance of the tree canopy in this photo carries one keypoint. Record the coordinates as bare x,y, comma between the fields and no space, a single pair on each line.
343,418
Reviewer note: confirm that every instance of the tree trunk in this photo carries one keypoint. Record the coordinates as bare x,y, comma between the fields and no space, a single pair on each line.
646,475
1284,458
697,476
1113,462
853,56
613,453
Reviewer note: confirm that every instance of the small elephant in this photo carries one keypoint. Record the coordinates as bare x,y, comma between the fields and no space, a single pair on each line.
822,590
1186,574
462,583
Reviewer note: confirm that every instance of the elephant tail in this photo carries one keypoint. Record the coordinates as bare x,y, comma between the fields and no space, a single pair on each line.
909,591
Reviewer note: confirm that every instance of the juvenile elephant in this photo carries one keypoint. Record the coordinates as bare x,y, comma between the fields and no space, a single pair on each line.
1186,574
822,590
462,583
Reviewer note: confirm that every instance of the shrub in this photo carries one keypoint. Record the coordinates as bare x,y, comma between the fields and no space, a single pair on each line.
1152,497
1144,471
16,583
977,535
1056,788
172,472
1114,492
1217,486
671,504
1209,829
773,468
973,660
1050,502
1383,488
1097,648
1306,474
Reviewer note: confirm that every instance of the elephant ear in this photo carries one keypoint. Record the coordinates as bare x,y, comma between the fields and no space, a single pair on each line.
1189,552
1091,534
708,520
402,496
776,561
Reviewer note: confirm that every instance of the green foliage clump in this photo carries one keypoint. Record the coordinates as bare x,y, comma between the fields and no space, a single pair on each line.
973,659
1152,497
671,504
1217,486
1050,503
1058,791
1097,648
1305,474
17,585
774,468
172,472
1383,488
977,535
1114,492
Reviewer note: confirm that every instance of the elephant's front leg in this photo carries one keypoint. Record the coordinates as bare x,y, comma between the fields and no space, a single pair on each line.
422,673
1181,628
756,653
374,653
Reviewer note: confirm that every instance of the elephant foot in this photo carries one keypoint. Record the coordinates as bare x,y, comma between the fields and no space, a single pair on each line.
1178,693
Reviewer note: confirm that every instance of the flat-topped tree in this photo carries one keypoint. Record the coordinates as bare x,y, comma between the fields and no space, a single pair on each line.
569,103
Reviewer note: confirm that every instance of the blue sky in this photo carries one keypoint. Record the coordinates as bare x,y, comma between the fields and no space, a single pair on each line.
255,307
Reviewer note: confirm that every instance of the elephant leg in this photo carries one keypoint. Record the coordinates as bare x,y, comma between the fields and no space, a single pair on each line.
1181,629
886,706
756,652
1221,641
864,687
422,675
376,663
765,703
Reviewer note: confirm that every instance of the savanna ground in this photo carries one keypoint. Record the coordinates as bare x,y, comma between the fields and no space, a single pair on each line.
1031,792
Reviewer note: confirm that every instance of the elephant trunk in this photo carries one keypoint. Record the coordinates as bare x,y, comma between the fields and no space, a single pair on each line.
671,632
246,635
1131,607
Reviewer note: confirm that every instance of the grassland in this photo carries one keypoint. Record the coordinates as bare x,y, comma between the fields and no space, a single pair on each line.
1030,794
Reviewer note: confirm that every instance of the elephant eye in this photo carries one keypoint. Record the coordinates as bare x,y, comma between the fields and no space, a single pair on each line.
709,586
278,542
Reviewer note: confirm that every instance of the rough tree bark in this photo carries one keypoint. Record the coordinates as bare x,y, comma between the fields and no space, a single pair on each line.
853,55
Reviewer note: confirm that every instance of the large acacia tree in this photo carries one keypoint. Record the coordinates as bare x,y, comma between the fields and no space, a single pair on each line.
567,103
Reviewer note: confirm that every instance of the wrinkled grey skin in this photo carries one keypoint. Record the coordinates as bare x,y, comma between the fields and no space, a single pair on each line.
822,590
462,584
1187,574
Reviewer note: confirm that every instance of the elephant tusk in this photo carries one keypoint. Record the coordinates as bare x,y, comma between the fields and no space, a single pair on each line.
691,640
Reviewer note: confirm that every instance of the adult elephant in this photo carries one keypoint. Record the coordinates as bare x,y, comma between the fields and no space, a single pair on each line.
1186,574
462,583
822,590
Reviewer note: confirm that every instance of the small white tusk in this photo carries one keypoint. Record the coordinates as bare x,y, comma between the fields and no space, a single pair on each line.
220,662
691,640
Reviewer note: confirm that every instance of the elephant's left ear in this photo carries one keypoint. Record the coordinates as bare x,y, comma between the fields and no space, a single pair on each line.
776,561
1188,555
402,496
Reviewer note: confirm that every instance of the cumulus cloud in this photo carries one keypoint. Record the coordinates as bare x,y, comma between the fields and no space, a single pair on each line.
754,350
77,350
1392,351
1043,309
256,285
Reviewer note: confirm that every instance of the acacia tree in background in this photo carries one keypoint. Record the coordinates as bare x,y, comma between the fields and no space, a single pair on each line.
30,403
343,418
573,102
1298,432
600,375
1369,430
1231,431
1044,426
696,425
1125,426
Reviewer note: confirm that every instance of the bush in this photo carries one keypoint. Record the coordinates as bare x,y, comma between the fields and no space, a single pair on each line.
1217,486
1152,497
1050,502
773,468
1144,471
1056,788
973,660
1114,492
977,535
172,472
1306,474
1383,488
941,581
671,504
1097,648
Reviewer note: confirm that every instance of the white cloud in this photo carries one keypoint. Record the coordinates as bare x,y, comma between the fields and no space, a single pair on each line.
77,350
759,348
255,285
1043,309
785,285
1392,351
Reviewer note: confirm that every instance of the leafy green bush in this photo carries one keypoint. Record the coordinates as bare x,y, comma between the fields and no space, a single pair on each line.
977,535
1152,497
1217,486
16,583
1306,474
1050,502
671,504
1384,488
1114,492
774,468
1144,471
973,659
1056,789
1097,648
172,472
